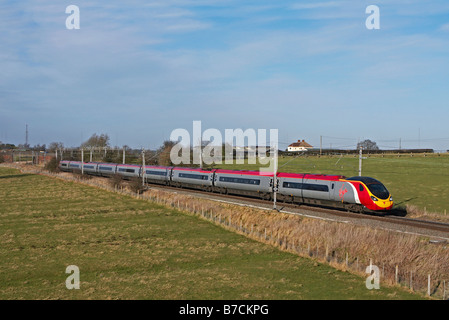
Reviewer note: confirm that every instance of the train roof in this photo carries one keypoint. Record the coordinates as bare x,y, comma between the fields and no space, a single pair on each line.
192,169
244,172
157,167
129,165
310,176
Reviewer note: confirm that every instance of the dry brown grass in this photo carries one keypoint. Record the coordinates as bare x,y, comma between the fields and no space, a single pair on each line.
416,212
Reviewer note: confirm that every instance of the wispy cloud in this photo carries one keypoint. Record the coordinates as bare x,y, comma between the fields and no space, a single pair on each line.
316,5
445,27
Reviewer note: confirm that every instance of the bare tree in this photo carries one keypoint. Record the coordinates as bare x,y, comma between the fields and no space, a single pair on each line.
96,141
55,146
164,153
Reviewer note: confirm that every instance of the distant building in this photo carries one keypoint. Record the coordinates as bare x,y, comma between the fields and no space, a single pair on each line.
299,146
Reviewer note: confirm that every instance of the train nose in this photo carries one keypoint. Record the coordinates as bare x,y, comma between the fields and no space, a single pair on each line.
385,204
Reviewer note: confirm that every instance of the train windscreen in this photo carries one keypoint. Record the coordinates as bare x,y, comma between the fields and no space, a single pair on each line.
376,188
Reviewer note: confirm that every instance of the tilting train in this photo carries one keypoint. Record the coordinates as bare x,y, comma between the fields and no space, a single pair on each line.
357,194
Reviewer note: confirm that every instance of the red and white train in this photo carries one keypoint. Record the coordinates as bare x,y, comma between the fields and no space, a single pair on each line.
357,194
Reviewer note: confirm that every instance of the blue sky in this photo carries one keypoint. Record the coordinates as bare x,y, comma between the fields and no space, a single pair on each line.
137,70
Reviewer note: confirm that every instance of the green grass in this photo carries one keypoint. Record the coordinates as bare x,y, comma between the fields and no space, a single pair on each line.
131,249
418,180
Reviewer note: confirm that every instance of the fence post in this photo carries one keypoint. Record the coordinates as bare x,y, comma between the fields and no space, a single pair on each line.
396,274
428,285
444,289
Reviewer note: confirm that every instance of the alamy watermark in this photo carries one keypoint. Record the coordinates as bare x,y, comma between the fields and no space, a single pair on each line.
72,281
373,280
73,21
211,146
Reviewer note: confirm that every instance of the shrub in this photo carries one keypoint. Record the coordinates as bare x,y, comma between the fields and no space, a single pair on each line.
115,181
52,165
136,185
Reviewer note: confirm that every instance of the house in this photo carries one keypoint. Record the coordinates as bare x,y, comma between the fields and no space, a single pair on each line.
299,146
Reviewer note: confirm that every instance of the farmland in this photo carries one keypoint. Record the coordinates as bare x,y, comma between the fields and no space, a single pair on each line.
128,248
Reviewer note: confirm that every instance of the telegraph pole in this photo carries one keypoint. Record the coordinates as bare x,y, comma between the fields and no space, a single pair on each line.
123,155
275,185
201,152
360,161
143,167
82,160
26,137
321,144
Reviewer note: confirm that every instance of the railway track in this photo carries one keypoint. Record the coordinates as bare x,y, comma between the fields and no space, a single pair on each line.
432,229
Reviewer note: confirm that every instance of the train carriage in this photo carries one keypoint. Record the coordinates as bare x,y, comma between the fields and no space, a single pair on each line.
75,166
106,169
308,188
128,171
252,183
192,178
90,167
157,174
64,165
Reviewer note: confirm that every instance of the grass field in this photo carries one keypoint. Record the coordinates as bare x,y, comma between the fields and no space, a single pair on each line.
127,248
415,181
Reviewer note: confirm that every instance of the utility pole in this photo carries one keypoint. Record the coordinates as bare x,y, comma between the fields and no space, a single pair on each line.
143,167
123,154
360,161
275,185
26,136
321,144
400,142
201,152
90,158
82,160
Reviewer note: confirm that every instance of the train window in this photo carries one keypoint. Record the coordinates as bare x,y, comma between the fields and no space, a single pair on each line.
126,170
193,176
332,186
157,173
361,187
88,167
240,180
306,186
106,168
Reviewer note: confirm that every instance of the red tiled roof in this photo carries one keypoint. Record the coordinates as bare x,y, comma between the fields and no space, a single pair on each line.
300,144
